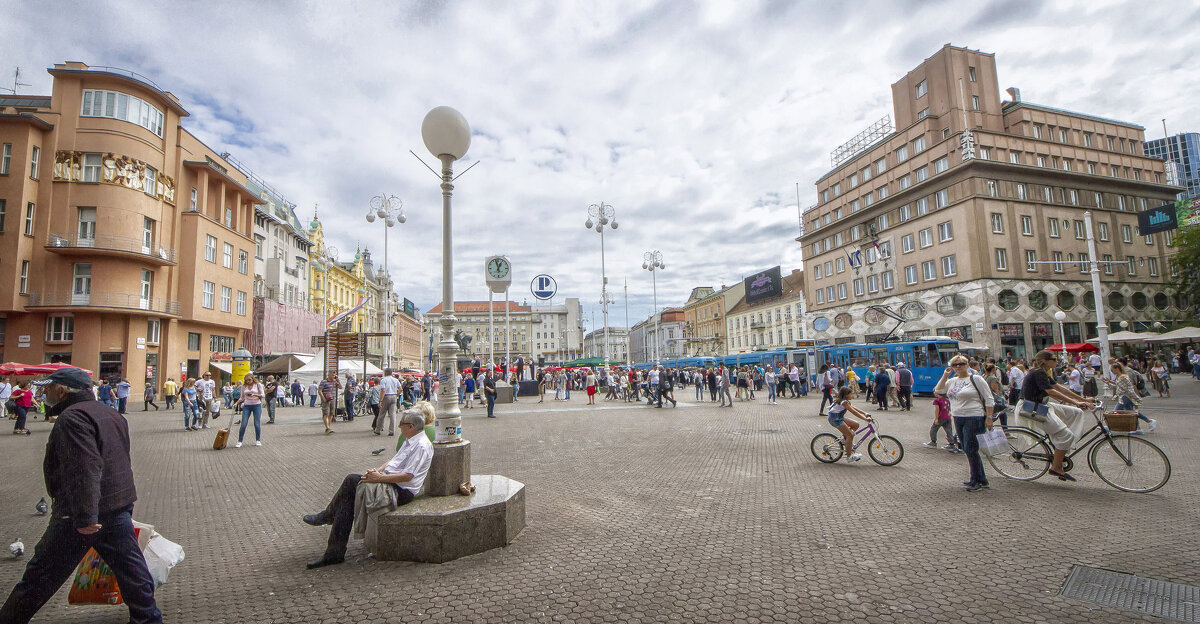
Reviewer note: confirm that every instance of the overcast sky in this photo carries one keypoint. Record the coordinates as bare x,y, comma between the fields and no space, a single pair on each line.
695,121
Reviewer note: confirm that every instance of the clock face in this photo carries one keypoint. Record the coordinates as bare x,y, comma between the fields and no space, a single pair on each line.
497,268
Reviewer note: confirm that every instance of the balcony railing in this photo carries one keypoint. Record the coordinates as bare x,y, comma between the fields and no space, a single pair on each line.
110,242
757,325
101,299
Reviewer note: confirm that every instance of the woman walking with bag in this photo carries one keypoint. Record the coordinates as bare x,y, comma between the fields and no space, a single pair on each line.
971,406
191,409
1162,378
22,396
252,400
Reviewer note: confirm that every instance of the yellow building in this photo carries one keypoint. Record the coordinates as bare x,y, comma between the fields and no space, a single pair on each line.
345,282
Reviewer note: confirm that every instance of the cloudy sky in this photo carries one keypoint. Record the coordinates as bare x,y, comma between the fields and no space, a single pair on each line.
695,121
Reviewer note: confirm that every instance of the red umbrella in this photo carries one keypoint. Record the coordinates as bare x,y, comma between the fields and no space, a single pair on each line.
16,368
53,366
1073,347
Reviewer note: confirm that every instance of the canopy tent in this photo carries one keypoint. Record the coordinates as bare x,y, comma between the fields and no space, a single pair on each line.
1184,334
315,366
1123,336
222,367
285,363
1073,347
29,370
592,361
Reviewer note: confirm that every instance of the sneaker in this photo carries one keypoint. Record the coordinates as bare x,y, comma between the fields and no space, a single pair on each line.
1152,425
931,445
258,443
853,458
1137,432
948,447
238,445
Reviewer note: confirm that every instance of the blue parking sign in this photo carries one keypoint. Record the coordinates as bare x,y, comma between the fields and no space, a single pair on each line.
543,287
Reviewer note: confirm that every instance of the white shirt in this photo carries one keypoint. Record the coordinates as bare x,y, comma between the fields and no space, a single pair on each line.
280,390
1094,359
794,374
390,385
653,377
205,388
414,458
5,391
1073,381
1016,377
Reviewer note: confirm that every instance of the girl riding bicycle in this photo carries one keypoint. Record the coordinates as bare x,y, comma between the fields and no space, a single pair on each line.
837,417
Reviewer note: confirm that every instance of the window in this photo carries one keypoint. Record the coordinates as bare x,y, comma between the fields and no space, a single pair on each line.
1108,264
1149,239
193,341
985,153
974,102
241,303
228,218
828,268
5,158
1008,299
1053,227
885,249
992,189
858,287
922,89
60,328
1079,230
1048,194
923,174
24,277
91,168
1126,234
949,266
889,280
226,298
841,290
905,212
1063,135
1073,197
872,283
1091,168
922,206
1014,157
210,290
882,191
1030,259
902,154
116,105
883,222
227,256
1131,266
824,196
971,74
210,248
1087,140
837,239
854,205
906,243
1111,144
997,223
1097,200
29,210
817,271
1057,257
945,231
941,199
33,162
840,264
910,274
837,189
153,331
926,236
242,261
837,214
866,173
853,180
1026,225
918,144
820,295
929,270
1083,263
946,132
1037,131
192,201
1168,236
1066,165
880,166
855,233
150,185
923,114
221,344
869,198
1121,202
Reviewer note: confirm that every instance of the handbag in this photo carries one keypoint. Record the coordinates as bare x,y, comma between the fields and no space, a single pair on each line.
10,405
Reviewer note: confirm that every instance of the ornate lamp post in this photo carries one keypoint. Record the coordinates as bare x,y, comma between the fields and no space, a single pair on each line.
390,209
1061,316
652,261
604,215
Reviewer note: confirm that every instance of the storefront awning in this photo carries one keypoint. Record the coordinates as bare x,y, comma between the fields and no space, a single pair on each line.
224,367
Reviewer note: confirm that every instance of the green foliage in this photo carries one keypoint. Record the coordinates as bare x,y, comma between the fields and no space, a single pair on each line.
1187,244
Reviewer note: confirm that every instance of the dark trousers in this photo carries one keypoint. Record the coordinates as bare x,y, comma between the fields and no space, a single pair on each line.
270,409
348,400
904,395
22,412
881,397
341,513
826,396
59,551
491,403
170,401
712,391
120,408
150,402
969,427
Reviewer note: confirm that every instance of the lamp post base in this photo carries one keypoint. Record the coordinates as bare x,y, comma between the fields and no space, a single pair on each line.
451,467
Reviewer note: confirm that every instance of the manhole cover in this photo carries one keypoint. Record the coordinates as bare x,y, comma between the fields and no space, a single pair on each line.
1134,593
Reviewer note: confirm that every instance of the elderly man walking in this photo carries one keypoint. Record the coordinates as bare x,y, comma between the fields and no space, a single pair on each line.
389,388
88,439
405,473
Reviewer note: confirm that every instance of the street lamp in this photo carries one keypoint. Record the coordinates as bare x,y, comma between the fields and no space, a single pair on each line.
603,215
652,261
447,136
390,209
1061,316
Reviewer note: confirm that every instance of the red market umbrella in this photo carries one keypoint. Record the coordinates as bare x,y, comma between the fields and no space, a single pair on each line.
16,368
1073,347
53,366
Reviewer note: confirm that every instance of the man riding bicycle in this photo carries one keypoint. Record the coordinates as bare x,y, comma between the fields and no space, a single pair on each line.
1062,421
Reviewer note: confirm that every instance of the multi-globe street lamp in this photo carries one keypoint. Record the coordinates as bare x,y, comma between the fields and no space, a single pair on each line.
1061,316
390,210
604,215
653,261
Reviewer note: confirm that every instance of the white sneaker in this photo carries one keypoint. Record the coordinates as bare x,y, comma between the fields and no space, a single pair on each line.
1152,425
931,445
853,458
258,443
238,445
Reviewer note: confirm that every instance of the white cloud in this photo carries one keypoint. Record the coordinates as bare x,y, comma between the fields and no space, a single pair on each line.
695,120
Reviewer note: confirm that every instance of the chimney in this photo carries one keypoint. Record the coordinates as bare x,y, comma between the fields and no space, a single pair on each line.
1014,93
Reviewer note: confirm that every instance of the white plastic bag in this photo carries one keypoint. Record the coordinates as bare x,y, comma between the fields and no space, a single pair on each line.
992,442
161,555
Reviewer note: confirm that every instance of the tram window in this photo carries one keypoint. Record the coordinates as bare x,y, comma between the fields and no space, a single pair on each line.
919,358
859,357
943,356
879,354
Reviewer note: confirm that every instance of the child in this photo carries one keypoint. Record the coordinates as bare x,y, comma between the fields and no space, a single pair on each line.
941,420
468,390
837,417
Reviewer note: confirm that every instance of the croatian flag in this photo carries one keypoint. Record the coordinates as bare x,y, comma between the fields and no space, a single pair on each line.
362,301
855,258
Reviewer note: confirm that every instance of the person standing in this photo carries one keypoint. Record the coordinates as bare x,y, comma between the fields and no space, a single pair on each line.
297,393
252,399
794,380
227,394
329,391
489,389
348,396
170,390
92,439
206,390
883,382
770,379
312,393
1161,378
1016,377
374,397
23,398
971,407
271,389
6,389
149,397
723,388
389,390
191,406
826,379
904,385
591,387
122,390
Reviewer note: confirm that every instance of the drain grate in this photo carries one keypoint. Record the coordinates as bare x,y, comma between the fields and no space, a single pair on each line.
1134,593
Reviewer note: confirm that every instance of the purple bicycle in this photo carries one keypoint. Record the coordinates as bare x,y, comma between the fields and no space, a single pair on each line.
884,450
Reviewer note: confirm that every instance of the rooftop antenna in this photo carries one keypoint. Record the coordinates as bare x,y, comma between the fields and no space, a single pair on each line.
17,82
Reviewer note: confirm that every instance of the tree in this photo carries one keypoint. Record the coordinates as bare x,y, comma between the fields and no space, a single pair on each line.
1187,264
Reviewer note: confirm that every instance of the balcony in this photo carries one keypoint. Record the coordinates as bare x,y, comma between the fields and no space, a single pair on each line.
109,245
757,325
67,301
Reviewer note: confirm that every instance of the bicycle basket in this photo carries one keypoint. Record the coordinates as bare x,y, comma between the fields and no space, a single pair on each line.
1121,420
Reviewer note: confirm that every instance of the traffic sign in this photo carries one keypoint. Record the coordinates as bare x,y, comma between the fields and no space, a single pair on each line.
543,287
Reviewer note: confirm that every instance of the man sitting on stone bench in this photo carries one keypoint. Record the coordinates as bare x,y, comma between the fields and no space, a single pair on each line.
405,473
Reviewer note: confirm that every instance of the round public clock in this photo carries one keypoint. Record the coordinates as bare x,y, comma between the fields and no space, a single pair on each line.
498,268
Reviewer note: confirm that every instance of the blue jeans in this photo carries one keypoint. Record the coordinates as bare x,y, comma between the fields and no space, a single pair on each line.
312,400
59,551
247,410
969,427
491,403
771,392
462,393
1125,404
191,415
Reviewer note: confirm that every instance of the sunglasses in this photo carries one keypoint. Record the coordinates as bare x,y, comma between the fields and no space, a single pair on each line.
959,364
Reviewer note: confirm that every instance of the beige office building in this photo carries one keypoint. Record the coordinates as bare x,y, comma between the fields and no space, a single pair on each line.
944,218
125,240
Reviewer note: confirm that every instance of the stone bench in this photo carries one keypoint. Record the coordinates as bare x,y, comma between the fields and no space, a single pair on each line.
437,529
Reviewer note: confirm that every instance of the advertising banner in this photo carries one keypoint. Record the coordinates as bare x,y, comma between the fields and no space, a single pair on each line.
763,286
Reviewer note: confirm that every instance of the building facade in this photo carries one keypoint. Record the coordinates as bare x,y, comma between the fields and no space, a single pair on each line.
1184,150
124,234
659,337
542,334
945,219
617,339
334,287
407,346
770,323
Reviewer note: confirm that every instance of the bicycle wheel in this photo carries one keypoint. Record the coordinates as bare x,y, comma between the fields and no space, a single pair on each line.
1026,458
886,450
827,447
1130,463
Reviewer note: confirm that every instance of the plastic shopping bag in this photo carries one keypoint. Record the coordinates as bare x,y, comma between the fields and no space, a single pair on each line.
94,583
161,555
992,442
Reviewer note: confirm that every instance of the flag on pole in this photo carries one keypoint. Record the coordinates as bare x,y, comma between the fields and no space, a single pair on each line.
333,320
855,257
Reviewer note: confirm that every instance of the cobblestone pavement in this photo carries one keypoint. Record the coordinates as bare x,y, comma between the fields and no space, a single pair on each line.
642,515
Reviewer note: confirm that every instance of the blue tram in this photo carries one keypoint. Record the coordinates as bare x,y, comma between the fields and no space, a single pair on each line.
925,357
